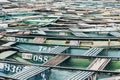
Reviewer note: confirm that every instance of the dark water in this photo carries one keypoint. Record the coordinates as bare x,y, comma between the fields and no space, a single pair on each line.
60,74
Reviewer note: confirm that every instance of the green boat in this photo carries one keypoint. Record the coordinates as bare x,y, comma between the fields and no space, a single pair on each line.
72,62
63,40
11,70
33,21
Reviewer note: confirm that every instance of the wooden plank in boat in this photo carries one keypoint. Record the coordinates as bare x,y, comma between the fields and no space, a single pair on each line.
56,60
6,54
9,44
27,32
39,40
29,72
20,32
5,47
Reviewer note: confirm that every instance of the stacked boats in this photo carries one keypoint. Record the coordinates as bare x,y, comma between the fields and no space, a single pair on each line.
60,40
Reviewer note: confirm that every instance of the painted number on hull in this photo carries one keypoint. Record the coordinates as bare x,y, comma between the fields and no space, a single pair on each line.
40,58
17,39
46,48
36,58
12,68
21,40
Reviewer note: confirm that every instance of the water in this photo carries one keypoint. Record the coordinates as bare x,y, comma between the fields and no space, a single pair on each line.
76,51
57,74
113,65
60,74
76,63
101,76
112,53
